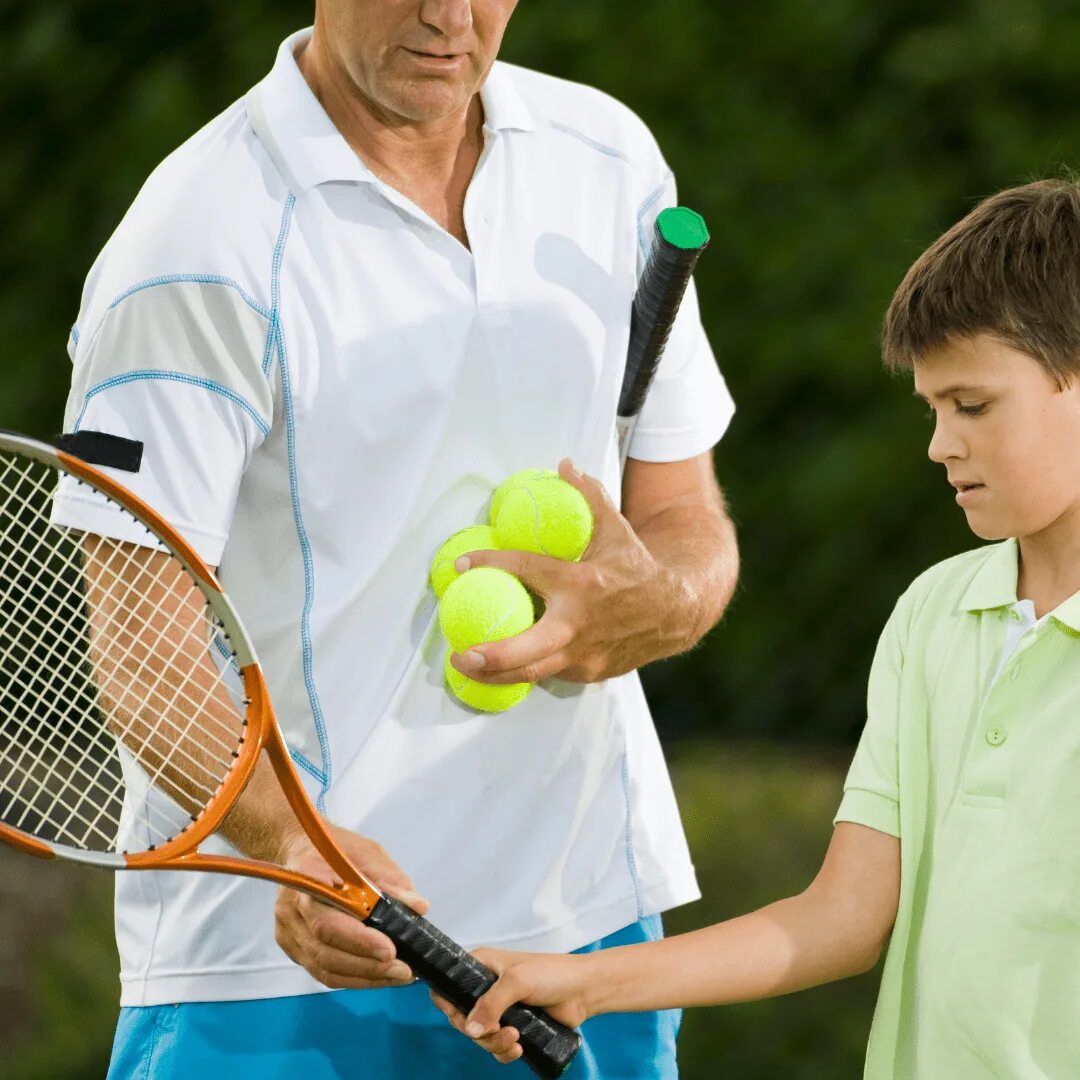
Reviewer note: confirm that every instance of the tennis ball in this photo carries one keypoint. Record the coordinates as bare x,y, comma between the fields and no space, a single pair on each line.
547,516
484,604
520,477
474,538
479,695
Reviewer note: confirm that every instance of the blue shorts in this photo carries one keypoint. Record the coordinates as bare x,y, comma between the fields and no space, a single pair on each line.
385,1034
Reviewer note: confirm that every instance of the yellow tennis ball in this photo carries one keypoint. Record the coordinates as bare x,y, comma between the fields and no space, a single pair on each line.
474,538
478,695
484,604
520,477
546,516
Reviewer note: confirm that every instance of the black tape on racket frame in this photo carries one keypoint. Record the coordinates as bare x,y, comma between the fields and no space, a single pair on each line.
656,303
548,1047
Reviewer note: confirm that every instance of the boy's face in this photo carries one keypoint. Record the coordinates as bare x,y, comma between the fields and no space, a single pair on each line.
1008,437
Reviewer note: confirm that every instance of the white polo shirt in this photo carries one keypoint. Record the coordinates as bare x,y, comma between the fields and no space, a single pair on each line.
328,385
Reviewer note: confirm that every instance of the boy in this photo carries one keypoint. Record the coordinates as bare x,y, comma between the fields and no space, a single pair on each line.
959,829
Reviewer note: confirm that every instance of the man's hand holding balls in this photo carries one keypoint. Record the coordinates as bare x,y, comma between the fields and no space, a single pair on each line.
600,614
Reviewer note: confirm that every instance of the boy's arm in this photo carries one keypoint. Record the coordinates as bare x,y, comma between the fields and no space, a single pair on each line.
834,929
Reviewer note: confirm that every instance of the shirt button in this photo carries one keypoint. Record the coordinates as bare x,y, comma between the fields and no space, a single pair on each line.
995,736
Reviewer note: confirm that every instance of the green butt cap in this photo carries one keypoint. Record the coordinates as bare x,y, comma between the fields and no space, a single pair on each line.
682,227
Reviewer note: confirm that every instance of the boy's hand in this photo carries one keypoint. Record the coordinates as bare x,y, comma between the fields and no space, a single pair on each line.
556,984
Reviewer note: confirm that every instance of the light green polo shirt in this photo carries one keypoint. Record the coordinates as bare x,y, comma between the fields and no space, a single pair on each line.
980,778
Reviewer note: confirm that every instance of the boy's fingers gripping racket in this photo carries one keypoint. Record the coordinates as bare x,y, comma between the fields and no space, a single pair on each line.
680,236
133,713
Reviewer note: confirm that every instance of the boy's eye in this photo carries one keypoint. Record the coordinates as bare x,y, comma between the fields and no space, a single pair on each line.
971,410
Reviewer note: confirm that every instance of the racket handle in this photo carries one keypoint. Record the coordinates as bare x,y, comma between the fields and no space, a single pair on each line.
679,238
548,1046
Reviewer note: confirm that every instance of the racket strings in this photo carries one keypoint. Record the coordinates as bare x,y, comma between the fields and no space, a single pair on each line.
141,672
66,749
69,668
171,696
104,645
52,804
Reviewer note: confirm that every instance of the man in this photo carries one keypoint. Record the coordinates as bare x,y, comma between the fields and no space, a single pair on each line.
336,318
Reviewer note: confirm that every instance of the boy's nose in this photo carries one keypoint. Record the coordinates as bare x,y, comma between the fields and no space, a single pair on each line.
944,444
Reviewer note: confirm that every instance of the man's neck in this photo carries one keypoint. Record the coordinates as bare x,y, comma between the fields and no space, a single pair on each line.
397,149
1049,571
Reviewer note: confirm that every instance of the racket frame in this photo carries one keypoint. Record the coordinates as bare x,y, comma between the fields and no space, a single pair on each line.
355,894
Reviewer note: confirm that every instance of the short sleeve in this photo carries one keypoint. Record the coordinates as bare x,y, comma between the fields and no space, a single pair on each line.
688,408
872,788
179,367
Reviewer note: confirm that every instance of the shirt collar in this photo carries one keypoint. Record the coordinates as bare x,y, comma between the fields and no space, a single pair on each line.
309,149
504,109
994,586
1069,613
994,583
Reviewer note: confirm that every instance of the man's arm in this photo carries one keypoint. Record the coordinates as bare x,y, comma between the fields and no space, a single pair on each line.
678,511
152,665
652,582
835,929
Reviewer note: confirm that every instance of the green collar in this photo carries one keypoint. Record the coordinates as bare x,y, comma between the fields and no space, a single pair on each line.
994,586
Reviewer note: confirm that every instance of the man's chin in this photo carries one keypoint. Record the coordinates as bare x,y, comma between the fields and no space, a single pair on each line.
426,100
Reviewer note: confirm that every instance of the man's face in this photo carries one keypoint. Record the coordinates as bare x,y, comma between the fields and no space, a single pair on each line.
415,60
1008,437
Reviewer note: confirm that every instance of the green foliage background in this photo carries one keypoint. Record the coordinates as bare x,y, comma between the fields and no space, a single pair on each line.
826,144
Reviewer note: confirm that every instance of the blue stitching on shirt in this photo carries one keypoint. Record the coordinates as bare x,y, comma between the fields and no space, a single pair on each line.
275,283
75,333
631,862
643,209
309,570
174,376
610,151
196,279
278,341
227,654
306,765
230,658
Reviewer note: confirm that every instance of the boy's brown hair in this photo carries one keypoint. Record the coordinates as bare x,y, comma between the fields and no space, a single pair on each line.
1010,269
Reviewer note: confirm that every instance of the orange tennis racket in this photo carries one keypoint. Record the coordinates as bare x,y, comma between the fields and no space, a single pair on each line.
133,713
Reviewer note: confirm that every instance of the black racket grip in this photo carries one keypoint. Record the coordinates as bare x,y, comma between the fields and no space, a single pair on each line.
548,1046
656,302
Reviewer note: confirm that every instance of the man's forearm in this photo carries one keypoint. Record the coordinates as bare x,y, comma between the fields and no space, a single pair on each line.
697,549
262,823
